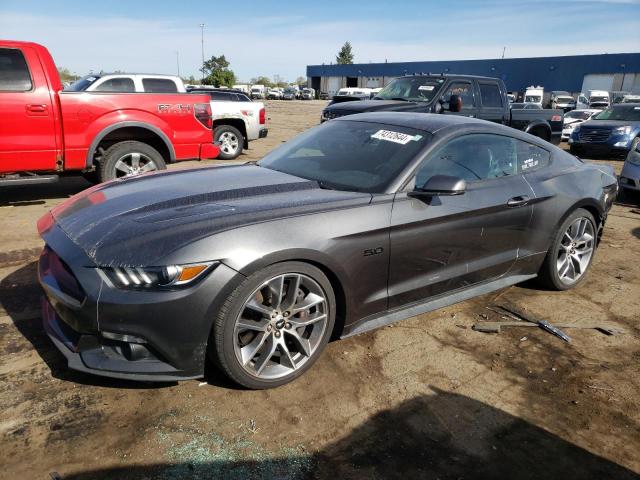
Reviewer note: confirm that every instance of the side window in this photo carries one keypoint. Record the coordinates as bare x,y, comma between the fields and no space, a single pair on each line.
14,72
118,84
490,94
464,90
220,96
473,158
531,157
159,85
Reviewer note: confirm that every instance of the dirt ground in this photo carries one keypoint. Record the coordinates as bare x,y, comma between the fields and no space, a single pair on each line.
425,398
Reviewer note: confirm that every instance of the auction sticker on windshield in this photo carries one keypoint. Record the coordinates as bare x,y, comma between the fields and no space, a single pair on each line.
396,137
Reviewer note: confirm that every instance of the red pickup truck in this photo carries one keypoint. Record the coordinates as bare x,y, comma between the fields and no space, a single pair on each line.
46,132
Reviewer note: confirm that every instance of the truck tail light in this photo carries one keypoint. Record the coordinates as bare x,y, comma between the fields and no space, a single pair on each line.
202,111
263,115
556,118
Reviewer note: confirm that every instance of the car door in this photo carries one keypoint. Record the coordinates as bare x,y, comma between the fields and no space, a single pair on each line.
449,242
27,129
464,89
492,102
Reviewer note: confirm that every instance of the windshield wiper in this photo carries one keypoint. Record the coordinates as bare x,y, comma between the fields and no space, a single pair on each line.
400,98
325,186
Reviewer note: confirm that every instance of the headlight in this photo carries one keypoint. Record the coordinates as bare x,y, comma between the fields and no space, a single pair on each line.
155,277
622,130
576,130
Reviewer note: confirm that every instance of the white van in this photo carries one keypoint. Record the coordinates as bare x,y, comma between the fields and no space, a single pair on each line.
258,91
534,95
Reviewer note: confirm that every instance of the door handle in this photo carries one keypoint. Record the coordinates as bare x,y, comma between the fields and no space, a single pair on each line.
36,108
518,201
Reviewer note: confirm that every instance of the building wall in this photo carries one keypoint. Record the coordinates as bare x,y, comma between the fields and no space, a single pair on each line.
553,73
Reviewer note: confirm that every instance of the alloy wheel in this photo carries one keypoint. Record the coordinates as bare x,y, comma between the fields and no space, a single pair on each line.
133,164
280,326
575,250
229,143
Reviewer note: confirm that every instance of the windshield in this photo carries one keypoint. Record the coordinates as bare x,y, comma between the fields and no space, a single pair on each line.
349,155
82,84
599,99
565,100
577,114
629,113
412,89
532,99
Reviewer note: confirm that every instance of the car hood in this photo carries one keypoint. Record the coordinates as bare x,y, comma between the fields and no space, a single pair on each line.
607,123
346,108
140,220
572,122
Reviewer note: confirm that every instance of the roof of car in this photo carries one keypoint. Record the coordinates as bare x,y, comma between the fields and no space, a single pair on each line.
429,122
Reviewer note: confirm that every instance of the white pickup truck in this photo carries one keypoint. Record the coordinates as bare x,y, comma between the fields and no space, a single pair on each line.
128,83
236,120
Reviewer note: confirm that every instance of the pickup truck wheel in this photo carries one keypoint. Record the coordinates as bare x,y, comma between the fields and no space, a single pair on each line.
128,159
231,141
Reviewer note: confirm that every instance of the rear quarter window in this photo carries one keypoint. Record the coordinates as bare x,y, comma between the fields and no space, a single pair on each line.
159,85
490,95
14,72
531,157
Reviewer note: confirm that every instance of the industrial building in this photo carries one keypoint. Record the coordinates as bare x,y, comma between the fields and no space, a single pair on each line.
575,74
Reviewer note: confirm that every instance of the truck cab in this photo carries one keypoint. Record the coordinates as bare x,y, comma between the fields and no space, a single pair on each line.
534,95
128,83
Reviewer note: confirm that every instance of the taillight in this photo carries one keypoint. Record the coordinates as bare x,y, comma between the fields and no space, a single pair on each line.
202,111
556,118
263,115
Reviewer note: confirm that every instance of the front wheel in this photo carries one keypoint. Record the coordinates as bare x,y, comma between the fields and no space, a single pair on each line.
231,141
571,252
274,325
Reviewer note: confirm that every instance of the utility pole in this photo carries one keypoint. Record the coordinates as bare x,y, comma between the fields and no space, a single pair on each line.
202,42
178,61
503,50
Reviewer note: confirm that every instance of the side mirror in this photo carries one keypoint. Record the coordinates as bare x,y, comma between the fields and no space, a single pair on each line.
455,103
440,185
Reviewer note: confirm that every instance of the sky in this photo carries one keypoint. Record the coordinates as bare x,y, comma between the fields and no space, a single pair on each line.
281,38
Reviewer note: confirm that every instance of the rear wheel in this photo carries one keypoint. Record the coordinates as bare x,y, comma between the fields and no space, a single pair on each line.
571,252
231,141
128,159
274,325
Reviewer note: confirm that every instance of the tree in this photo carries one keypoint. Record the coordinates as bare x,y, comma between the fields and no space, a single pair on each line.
216,72
266,81
301,81
66,75
345,56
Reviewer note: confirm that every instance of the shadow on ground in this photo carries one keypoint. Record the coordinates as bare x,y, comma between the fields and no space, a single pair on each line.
38,194
445,436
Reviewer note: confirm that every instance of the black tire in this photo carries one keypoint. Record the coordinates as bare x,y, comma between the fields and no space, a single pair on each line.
548,275
232,133
221,342
123,151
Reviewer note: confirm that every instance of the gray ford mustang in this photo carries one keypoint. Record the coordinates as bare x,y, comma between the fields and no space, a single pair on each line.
352,225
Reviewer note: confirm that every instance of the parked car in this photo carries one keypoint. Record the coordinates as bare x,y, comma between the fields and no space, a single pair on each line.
352,225
359,93
574,118
274,94
631,99
236,120
466,95
104,135
308,93
593,99
525,106
511,97
324,96
128,83
630,175
561,99
613,131
243,88
534,95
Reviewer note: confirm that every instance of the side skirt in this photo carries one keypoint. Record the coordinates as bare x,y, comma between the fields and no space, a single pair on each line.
391,316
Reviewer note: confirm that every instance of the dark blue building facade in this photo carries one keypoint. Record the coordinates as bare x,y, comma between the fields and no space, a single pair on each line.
554,73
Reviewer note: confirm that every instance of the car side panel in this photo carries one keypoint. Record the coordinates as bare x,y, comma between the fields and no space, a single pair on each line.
351,243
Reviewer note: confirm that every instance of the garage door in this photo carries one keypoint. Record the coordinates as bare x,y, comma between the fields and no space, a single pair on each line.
598,81
333,85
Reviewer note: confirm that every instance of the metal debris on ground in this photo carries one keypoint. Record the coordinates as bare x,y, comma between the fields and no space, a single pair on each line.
525,320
